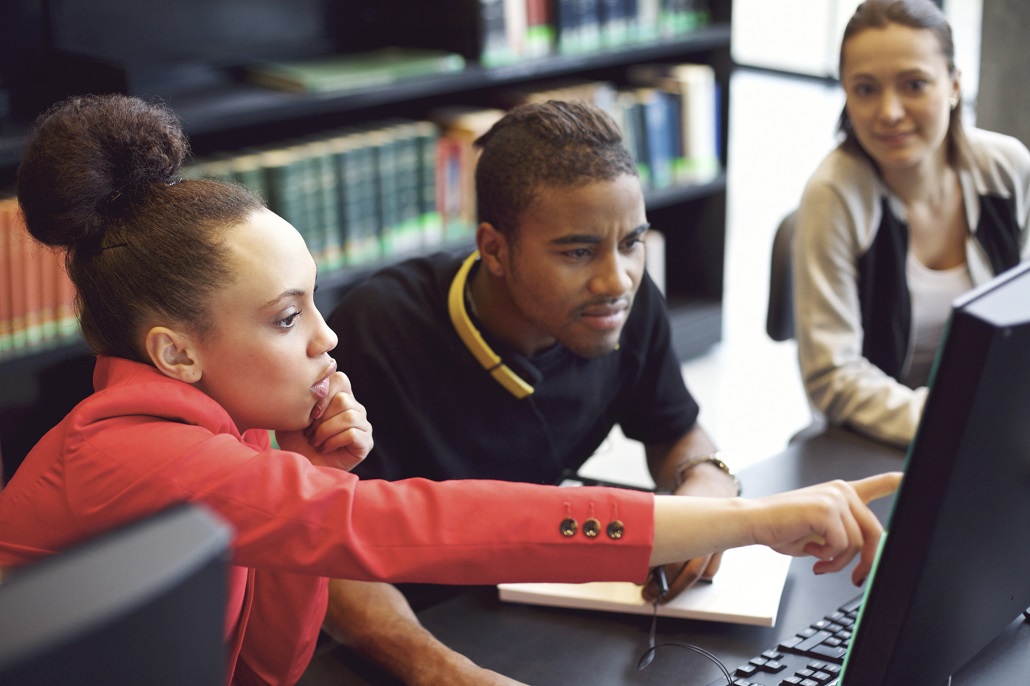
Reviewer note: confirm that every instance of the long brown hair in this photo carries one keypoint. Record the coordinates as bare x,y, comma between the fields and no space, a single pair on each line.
915,14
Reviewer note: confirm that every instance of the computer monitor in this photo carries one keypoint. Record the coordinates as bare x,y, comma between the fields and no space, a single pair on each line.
954,568
144,604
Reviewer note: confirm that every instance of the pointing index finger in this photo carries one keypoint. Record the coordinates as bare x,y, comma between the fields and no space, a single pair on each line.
877,486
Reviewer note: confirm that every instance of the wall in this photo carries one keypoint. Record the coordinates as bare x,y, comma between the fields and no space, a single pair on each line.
1004,99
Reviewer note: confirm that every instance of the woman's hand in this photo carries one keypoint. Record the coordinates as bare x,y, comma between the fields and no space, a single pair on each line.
339,435
829,521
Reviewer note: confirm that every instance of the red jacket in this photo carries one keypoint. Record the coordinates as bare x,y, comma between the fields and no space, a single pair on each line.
143,442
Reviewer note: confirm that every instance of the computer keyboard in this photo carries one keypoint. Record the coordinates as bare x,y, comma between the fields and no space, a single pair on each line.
812,657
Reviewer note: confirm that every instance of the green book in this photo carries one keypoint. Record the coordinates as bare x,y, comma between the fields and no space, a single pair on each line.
427,136
325,207
409,235
358,199
346,72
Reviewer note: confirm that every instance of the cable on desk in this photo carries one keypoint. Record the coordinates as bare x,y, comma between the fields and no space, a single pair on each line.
652,646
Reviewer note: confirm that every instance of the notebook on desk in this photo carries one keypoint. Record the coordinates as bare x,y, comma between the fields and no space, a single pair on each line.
746,590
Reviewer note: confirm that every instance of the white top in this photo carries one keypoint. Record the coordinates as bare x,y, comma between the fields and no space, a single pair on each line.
932,292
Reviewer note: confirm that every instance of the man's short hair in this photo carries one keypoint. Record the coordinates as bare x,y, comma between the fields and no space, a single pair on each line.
553,143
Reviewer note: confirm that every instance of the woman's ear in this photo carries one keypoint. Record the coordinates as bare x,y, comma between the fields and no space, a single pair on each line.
174,354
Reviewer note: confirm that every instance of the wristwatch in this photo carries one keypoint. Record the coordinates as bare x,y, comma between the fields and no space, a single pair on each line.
712,458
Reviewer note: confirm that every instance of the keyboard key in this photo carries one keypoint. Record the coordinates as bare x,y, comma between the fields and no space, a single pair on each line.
812,641
827,652
746,670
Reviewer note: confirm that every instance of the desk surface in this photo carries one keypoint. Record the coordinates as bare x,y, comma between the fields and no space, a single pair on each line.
544,646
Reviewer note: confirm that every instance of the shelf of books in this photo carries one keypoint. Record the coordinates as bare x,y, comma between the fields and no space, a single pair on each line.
370,154
365,196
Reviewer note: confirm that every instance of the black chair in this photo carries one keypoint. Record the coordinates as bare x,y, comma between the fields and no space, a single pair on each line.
779,320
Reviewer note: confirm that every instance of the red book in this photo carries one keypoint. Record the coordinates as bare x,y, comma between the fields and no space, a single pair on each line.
6,305
28,252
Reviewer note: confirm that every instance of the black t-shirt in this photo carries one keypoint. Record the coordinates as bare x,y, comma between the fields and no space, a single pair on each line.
436,413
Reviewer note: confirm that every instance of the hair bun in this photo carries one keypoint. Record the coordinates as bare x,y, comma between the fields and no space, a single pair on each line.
92,156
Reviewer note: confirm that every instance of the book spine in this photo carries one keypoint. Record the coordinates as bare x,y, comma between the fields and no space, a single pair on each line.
18,283
6,287
325,205
387,183
360,206
540,30
568,36
287,180
699,121
67,320
32,258
245,169
48,291
448,186
431,221
657,136
495,33
515,24
648,20
614,30
409,235
589,12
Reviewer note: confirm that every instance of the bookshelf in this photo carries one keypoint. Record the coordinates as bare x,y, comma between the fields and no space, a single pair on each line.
220,111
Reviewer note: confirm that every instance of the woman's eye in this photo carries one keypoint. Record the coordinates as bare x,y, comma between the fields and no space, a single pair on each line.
288,321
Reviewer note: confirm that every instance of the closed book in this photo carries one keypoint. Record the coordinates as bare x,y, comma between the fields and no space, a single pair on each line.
384,148
629,114
515,28
427,136
245,168
324,202
21,278
747,590
648,20
589,21
67,319
613,22
6,287
658,136
450,187
358,198
463,125
539,28
697,90
347,72
495,34
48,268
568,37
287,178
402,191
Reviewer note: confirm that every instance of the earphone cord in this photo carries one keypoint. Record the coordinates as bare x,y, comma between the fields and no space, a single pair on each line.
648,655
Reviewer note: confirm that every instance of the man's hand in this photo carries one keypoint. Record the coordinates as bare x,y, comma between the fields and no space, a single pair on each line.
375,620
707,480
339,435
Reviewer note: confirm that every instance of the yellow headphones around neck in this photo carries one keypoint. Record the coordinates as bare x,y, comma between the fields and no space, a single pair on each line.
474,341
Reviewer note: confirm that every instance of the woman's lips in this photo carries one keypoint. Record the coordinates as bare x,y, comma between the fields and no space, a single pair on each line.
321,388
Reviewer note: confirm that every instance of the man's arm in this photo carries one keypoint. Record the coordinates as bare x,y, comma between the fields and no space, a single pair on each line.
669,467
375,620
